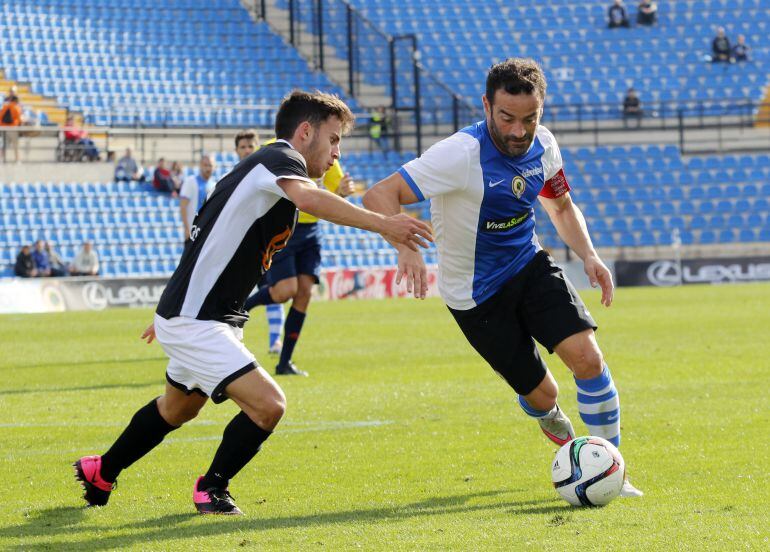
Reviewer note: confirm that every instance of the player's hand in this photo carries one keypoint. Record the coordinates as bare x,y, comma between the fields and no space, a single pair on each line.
599,275
347,186
149,333
406,230
412,266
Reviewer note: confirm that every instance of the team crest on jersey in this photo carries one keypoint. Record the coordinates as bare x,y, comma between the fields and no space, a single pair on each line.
518,185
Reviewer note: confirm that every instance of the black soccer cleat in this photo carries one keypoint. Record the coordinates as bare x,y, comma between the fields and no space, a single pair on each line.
289,369
214,501
88,473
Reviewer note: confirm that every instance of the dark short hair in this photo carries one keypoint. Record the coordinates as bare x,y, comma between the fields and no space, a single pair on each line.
313,107
516,76
249,134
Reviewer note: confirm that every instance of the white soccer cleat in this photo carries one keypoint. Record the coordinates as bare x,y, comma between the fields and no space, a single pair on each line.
557,427
629,491
275,348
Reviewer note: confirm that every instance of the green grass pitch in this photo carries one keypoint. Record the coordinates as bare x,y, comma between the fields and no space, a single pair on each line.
402,438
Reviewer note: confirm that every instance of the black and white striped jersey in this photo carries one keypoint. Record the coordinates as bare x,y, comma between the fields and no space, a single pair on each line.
243,223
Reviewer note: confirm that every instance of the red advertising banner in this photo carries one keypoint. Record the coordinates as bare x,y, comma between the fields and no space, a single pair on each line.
367,283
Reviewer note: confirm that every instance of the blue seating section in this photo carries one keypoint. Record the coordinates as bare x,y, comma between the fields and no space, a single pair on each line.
635,196
585,62
153,63
631,196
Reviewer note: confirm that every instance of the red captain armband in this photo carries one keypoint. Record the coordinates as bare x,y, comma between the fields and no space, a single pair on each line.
556,186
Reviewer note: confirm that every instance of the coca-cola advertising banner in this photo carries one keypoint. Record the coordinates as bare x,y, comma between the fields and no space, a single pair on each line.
375,283
665,272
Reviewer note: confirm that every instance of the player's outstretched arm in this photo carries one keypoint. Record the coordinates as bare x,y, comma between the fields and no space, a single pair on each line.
399,228
386,197
571,226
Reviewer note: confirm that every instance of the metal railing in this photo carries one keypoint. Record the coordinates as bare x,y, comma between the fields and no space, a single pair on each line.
372,65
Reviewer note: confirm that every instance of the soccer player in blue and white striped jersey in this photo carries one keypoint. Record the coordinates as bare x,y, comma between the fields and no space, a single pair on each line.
503,290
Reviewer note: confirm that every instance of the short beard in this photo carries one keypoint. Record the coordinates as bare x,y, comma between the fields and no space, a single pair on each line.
501,142
311,150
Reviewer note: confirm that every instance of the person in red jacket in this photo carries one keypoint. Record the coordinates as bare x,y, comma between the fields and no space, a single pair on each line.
79,137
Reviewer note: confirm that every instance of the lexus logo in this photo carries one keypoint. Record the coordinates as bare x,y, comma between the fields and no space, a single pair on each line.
95,296
664,273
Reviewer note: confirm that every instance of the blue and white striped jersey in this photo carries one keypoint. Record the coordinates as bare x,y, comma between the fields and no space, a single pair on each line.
482,208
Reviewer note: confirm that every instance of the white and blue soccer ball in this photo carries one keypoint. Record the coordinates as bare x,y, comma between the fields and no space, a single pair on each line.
588,471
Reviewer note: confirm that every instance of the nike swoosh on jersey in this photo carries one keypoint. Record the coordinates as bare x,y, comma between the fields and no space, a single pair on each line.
493,184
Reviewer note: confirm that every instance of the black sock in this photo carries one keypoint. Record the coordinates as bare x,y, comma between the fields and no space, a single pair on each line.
241,441
145,431
291,330
262,297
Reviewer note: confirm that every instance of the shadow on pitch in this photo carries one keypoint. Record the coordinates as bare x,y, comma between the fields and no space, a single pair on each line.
83,363
48,522
187,525
158,383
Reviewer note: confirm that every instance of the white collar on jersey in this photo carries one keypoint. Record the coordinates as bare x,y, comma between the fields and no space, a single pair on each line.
285,142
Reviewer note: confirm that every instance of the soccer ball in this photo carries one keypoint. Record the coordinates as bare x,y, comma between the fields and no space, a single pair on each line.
588,471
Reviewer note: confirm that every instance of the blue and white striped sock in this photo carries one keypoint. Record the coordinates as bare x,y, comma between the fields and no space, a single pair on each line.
275,319
534,412
599,406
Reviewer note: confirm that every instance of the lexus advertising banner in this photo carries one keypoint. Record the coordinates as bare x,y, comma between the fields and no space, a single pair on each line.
668,272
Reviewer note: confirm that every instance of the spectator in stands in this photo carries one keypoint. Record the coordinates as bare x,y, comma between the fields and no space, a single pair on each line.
25,265
177,174
127,169
86,262
10,120
632,108
162,179
58,267
741,49
647,13
378,128
720,47
79,137
617,16
195,190
42,262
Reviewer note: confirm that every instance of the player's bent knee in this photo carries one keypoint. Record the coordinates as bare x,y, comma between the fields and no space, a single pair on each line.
588,364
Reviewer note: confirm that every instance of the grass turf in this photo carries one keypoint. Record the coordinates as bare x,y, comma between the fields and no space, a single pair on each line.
402,438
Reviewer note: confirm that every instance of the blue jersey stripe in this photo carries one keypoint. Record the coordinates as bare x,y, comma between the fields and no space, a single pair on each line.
412,184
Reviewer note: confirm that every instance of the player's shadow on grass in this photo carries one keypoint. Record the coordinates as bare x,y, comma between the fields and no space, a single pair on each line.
156,383
83,363
48,522
187,525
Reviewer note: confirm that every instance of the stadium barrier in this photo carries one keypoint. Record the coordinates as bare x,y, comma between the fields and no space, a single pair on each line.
20,295
673,272
36,295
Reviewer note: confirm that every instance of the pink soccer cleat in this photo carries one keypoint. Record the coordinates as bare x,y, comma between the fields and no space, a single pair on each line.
88,473
214,501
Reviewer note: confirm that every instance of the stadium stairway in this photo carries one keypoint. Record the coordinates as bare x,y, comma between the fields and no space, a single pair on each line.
53,112
636,200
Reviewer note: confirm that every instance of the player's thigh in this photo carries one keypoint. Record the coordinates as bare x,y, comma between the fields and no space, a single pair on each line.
550,306
259,396
495,331
177,406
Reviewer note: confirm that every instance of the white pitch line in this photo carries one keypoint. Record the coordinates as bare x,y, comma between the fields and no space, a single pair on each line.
319,426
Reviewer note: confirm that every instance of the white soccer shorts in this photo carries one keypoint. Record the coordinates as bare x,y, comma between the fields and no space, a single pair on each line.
205,356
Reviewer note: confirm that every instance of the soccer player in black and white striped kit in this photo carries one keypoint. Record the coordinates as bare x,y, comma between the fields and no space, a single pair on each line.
199,320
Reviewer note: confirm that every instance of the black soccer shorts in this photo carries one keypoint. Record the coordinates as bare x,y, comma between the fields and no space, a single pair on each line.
539,303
